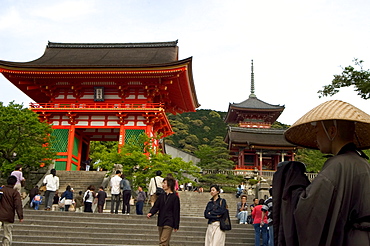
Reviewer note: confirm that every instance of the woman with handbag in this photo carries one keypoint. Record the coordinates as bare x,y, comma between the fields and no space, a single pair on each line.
68,198
214,211
89,198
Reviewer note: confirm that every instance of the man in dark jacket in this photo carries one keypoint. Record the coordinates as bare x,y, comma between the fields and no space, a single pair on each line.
168,205
10,202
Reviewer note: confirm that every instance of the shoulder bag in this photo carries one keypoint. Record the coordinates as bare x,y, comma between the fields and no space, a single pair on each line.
225,223
159,190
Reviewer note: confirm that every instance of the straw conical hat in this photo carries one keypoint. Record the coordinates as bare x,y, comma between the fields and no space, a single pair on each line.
302,132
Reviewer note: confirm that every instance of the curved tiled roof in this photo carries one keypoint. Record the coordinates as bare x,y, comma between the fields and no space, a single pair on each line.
97,55
256,136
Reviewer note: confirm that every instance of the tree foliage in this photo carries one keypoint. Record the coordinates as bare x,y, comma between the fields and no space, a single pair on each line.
350,76
23,138
313,159
195,129
214,156
139,165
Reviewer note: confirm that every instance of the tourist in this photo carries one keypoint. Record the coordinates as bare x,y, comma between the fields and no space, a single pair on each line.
176,182
267,209
101,196
56,199
33,192
79,202
19,175
259,224
215,208
36,201
242,210
239,191
10,202
155,182
52,184
335,208
140,199
67,195
189,186
255,203
115,192
126,195
168,206
89,199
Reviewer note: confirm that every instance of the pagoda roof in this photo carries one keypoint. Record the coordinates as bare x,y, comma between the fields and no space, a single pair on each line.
257,137
253,103
255,106
98,55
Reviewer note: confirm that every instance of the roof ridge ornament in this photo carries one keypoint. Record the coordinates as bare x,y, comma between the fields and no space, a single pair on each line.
112,45
252,84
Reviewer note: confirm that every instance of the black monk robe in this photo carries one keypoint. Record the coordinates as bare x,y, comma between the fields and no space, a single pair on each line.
335,208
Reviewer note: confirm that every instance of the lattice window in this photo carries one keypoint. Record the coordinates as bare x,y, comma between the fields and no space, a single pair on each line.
132,135
61,140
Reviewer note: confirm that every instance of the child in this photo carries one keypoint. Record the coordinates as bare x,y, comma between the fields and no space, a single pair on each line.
55,206
102,195
140,200
36,201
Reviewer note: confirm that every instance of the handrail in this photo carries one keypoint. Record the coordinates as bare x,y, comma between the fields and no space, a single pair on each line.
58,105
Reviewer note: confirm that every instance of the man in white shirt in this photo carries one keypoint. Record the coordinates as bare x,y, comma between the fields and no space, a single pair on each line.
115,191
154,183
52,184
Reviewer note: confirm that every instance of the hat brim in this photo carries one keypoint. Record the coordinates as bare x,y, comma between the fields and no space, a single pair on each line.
302,132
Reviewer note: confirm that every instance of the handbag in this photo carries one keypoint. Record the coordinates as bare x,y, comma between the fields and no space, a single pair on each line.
225,223
159,190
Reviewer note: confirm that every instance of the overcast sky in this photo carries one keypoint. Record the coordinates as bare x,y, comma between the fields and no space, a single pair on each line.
297,46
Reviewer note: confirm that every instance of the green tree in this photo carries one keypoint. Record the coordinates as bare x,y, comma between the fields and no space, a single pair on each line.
313,159
23,138
214,156
359,78
139,165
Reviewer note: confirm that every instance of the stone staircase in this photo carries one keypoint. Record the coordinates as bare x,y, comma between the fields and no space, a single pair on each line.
80,180
93,229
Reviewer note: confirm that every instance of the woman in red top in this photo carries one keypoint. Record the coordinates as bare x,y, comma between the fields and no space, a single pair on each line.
259,224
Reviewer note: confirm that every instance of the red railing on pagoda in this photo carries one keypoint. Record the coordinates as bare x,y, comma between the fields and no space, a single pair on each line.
82,106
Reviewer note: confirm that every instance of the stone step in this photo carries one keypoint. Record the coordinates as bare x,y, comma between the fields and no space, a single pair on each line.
99,229
93,229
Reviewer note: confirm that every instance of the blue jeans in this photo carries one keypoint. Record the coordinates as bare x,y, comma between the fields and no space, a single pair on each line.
139,207
271,235
36,204
257,233
242,216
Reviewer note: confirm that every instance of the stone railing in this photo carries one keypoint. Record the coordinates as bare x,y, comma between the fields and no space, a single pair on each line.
251,174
